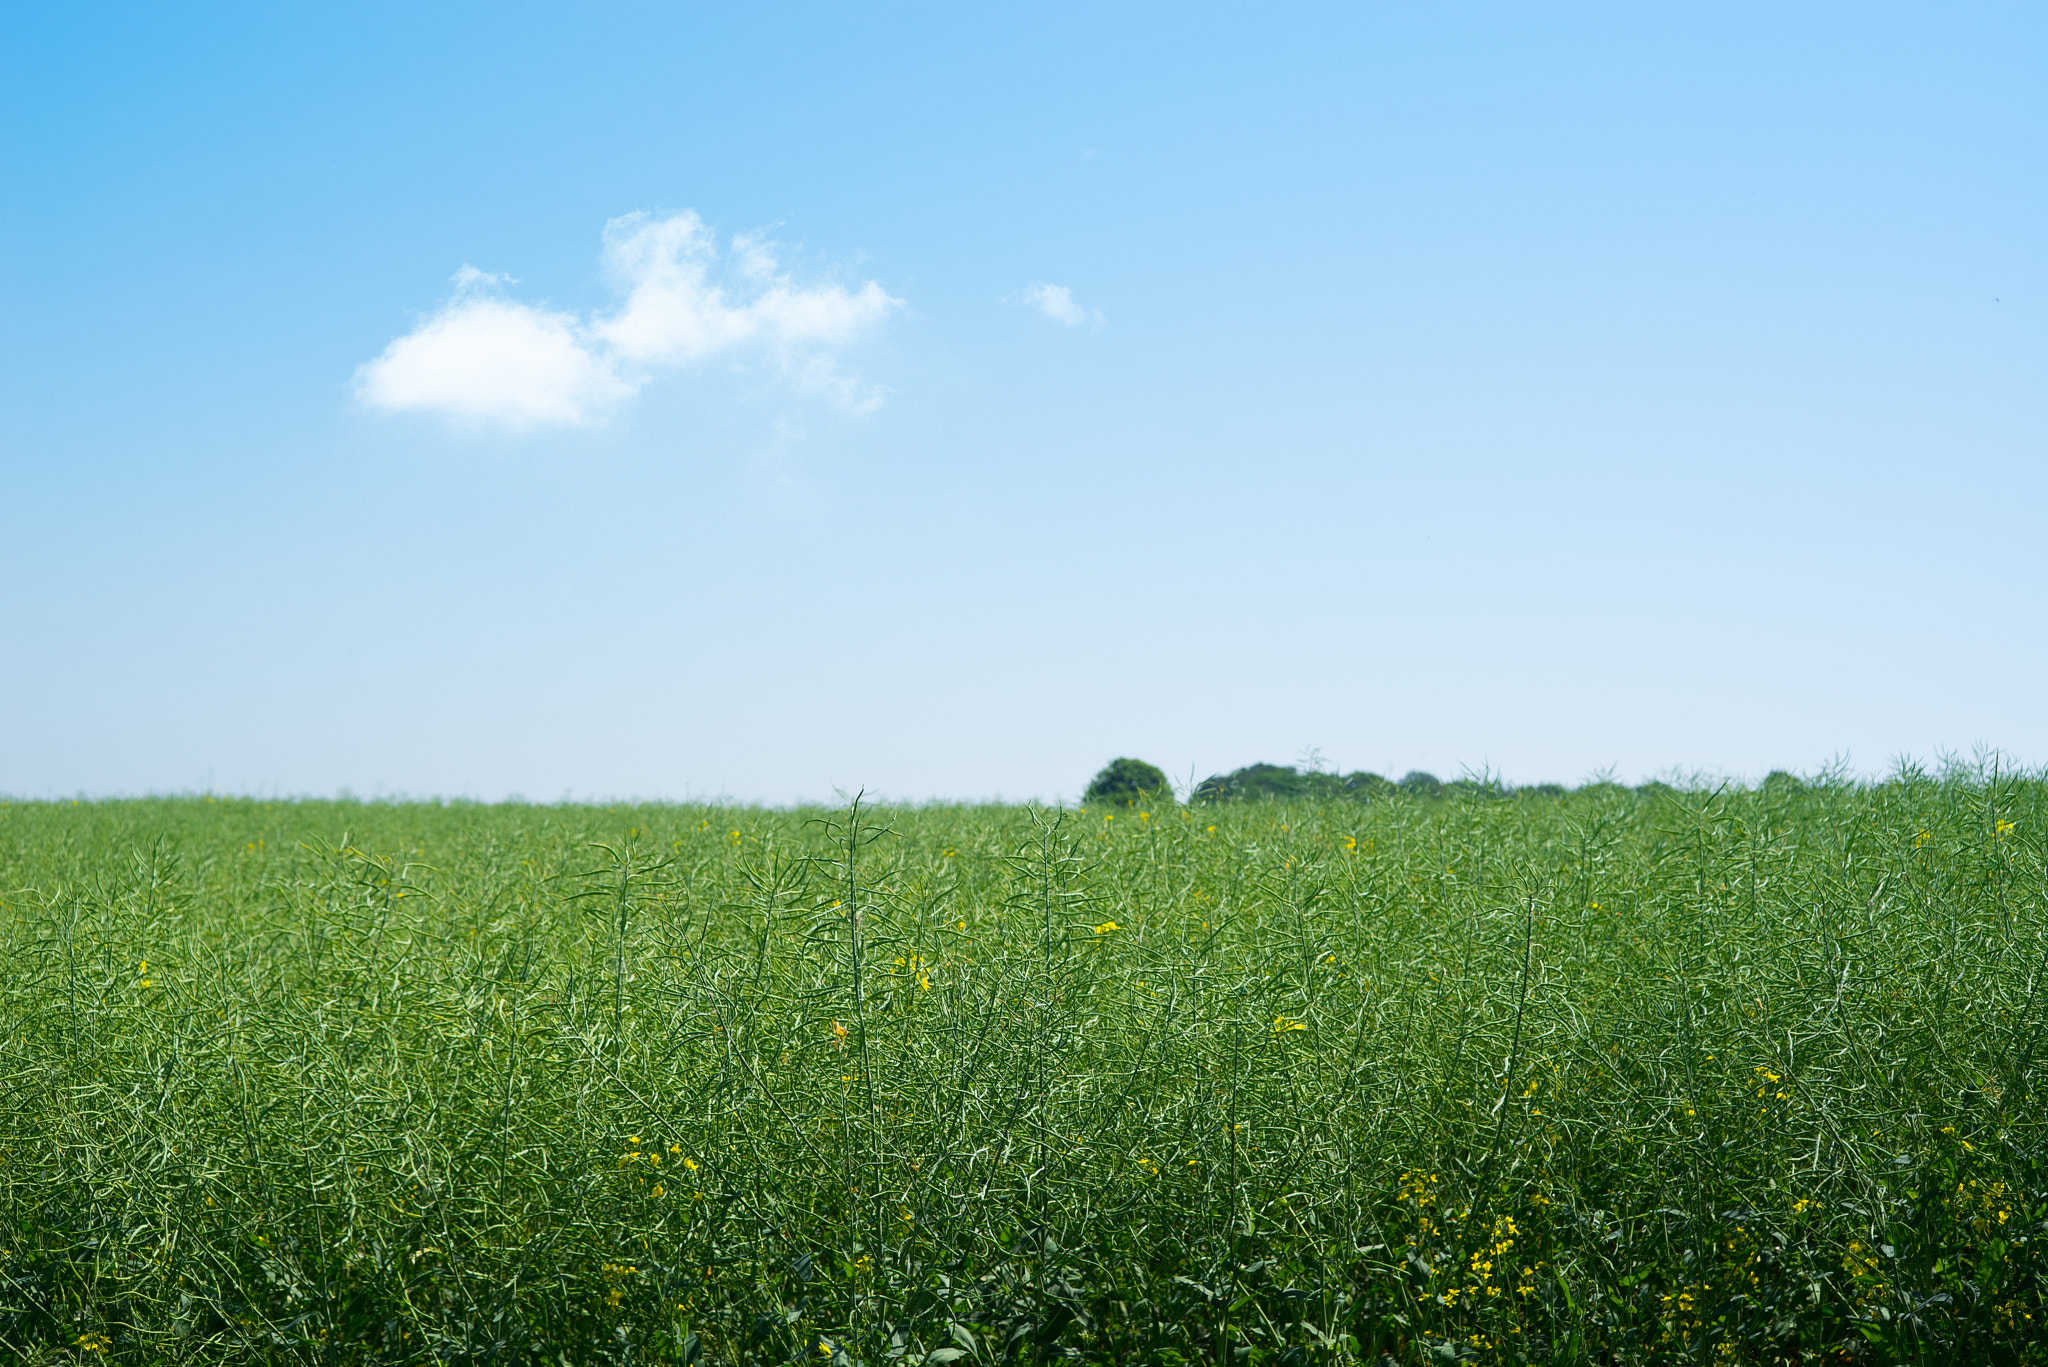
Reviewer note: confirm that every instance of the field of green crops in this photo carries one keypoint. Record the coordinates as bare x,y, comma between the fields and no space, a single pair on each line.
1614,1076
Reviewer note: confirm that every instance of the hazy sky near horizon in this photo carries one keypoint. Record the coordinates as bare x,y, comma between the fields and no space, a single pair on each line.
762,401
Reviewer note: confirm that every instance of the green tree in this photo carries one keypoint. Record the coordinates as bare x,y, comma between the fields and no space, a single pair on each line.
1124,781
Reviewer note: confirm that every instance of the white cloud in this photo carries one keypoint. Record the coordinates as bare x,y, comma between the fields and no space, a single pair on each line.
676,312
487,359
484,358
1057,303
822,375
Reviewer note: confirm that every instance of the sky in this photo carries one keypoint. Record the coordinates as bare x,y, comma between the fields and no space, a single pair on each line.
766,403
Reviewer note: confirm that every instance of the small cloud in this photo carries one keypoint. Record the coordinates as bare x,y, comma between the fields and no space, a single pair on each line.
484,358
1057,303
677,312
753,257
469,279
822,375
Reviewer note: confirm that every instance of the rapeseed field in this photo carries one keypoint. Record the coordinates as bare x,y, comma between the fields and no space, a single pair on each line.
1684,1073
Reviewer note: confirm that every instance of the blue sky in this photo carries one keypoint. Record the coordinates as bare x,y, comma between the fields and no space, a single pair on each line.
765,401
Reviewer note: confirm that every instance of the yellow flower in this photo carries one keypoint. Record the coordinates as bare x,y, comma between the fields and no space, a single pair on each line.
1282,1024
2003,827
1106,927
